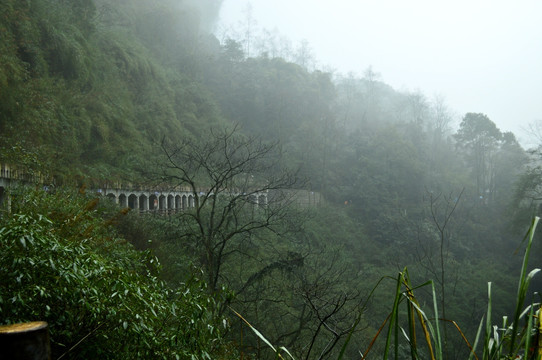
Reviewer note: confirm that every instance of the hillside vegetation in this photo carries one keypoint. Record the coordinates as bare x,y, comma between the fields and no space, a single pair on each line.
140,91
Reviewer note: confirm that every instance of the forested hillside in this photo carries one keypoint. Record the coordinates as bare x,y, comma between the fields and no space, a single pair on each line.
93,85
141,92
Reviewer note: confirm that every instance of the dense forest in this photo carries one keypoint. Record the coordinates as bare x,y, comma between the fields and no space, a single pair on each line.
141,93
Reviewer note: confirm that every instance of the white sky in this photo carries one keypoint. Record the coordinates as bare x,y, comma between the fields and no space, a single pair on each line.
482,56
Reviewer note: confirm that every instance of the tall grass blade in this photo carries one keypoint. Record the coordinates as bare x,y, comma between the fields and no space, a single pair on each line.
358,319
438,341
487,348
412,331
375,337
282,348
463,337
427,328
476,340
522,287
258,334
349,337
539,345
393,317
529,330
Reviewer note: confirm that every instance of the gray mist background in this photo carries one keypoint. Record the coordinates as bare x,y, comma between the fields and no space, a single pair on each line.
481,56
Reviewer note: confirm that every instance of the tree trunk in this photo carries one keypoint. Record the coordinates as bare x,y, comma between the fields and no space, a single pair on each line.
27,341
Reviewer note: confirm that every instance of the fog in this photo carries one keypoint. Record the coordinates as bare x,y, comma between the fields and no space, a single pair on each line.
481,56
220,183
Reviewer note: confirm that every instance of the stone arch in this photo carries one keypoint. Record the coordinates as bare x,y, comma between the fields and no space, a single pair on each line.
5,172
153,202
170,204
178,203
162,203
123,201
190,201
112,197
133,202
184,203
143,202
3,194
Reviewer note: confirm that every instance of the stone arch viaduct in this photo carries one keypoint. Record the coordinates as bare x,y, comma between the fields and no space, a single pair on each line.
143,200
164,201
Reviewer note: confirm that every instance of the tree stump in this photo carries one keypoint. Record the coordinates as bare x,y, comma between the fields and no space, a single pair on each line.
26,341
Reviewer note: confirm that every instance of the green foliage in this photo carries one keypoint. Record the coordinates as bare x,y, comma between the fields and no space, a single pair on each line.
415,333
88,95
495,337
495,158
88,88
102,299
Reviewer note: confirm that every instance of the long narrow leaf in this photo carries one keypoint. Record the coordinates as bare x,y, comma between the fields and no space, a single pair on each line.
393,318
522,288
258,334
463,337
375,337
477,339
438,341
487,337
529,330
358,319
282,348
427,328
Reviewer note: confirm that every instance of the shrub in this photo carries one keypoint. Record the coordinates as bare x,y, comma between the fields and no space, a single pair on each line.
61,263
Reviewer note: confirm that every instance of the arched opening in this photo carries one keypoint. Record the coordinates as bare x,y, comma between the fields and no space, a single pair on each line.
153,202
2,195
184,203
162,204
133,202
190,201
112,197
143,203
122,201
178,203
170,204
5,173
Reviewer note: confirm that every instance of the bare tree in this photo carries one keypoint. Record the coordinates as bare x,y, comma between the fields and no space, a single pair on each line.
236,183
312,308
441,119
442,208
332,312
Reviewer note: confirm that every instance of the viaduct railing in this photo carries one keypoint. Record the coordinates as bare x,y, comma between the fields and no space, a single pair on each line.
138,197
167,201
148,200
